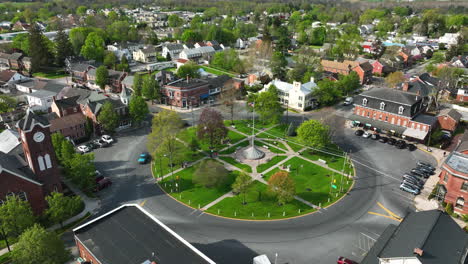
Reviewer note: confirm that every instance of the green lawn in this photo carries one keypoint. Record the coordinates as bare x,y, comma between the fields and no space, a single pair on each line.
259,203
194,194
313,182
216,71
272,149
187,134
239,165
245,126
51,75
232,149
6,258
183,154
275,160
333,162
295,147
278,131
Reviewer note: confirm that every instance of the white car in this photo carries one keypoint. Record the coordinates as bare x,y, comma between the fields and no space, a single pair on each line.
108,139
366,135
83,149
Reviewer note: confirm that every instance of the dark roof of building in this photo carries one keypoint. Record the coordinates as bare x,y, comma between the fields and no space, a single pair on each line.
217,47
6,75
67,102
129,235
31,119
392,98
16,164
214,42
174,46
366,66
219,81
427,78
463,142
434,232
425,119
187,84
79,67
70,91
149,50
15,56
57,123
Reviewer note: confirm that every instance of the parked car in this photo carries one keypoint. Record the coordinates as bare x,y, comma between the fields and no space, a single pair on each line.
383,139
98,176
419,173
348,101
425,164
425,169
343,260
391,141
91,145
412,177
375,136
411,147
366,134
144,158
83,149
102,184
100,143
413,182
359,132
106,138
407,188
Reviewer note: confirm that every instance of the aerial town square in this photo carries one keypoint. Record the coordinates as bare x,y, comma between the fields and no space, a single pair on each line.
233,132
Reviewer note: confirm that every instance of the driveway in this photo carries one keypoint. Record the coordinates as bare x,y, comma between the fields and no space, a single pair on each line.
344,229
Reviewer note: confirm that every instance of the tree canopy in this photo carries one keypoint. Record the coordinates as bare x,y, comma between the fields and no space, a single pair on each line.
282,186
210,173
211,127
138,108
314,134
108,118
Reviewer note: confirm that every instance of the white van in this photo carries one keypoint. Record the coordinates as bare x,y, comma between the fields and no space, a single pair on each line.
348,101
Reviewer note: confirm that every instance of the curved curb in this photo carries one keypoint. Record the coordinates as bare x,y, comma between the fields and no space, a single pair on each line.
254,220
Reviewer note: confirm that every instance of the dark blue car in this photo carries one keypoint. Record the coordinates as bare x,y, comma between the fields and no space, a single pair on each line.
144,158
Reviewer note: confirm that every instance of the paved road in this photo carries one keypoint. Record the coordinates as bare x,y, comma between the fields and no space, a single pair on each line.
317,238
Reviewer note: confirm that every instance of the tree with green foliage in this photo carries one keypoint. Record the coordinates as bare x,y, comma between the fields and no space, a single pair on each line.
21,42
57,139
347,46
282,186
165,126
327,92
15,216
93,48
191,36
108,117
211,127
383,27
150,88
7,103
394,78
138,109
194,145
314,134
66,152
137,84
268,107
119,31
62,207
37,245
63,47
102,76
210,174
41,56
82,172
241,185
110,60
189,69
318,36
278,65
123,65
81,10
78,37
174,21
349,83
228,60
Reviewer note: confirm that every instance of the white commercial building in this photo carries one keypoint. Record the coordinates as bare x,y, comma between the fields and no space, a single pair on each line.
296,95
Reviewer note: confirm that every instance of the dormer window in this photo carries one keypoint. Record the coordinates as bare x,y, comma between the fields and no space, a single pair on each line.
400,110
382,106
364,102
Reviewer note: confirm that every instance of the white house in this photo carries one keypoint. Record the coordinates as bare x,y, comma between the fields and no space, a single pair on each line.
173,49
8,78
449,38
296,95
145,55
191,54
241,43
41,100
119,52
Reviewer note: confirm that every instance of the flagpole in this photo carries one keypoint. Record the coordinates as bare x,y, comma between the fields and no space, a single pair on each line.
253,123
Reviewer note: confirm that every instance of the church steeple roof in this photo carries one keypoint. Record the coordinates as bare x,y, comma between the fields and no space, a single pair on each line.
31,119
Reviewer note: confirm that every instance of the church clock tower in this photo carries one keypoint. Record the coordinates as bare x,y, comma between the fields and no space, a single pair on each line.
39,151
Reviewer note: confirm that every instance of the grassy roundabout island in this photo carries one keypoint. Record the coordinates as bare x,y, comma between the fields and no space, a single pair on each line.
317,178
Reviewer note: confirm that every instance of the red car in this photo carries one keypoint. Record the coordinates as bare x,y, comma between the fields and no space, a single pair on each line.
102,184
343,260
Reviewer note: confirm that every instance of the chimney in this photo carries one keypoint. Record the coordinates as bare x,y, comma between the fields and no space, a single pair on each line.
405,86
418,251
312,79
297,85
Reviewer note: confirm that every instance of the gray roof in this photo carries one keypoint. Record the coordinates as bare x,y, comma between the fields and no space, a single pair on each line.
174,46
31,119
42,94
8,140
463,142
392,98
79,67
458,161
434,232
454,114
128,235
16,163
425,119
219,81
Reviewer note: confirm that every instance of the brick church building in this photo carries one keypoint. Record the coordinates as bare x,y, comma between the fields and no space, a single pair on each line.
30,172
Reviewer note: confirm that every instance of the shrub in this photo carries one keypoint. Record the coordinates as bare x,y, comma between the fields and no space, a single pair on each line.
449,208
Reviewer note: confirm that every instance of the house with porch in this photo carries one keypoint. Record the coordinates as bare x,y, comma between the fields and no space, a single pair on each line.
295,95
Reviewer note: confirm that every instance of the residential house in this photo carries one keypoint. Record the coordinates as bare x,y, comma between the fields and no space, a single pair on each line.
4,61
393,110
460,61
462,95
181,62
200,44
125,95
71,126
26,64
20,26
79,72
296,95
145,55
449,39
114,80
205,52
8,78
426,237
41,100
186,92
241,43
164,77
11,116
222,83
65,106
364,70
15,61
31,173
132,228
453,178
120,51
449,119
172,50
366,29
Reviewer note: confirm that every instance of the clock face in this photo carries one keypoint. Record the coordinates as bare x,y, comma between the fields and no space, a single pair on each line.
38,137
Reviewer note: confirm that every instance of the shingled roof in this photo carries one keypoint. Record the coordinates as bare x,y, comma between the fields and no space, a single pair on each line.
31,120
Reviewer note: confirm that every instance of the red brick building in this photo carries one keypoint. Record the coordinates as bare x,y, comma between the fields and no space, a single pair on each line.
32,173
186,92
449,119
66,118
391,109
364,69
454,177
462,95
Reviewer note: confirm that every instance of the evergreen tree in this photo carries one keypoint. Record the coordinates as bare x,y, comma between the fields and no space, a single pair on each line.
137,84
63,47
40,54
